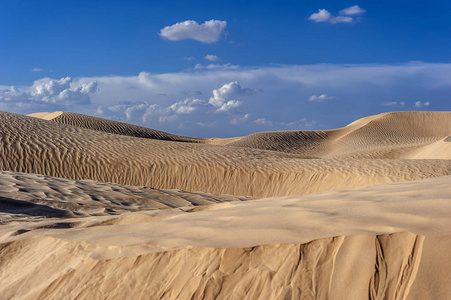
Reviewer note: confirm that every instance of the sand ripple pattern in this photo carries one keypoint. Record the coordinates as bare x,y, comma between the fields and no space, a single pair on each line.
39,146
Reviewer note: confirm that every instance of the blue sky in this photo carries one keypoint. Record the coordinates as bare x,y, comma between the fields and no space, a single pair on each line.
225,68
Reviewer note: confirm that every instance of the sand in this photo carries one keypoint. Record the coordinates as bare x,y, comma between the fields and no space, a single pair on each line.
98,209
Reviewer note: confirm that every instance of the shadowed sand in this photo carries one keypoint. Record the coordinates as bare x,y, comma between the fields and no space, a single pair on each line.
153,221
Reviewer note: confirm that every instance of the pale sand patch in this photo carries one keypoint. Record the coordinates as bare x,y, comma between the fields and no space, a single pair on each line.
328,245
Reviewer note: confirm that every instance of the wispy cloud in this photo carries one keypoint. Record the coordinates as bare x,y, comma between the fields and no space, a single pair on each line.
324,15
352,10
394,103
208,32
226,66
320,98
36,70
420,104
211,57
189,58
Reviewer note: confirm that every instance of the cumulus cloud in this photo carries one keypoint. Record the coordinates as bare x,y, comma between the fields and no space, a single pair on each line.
47,90
211,57
186,106
229,105
320,98
324,15
208,32
352,10
394,103
420,104
221,97
321,16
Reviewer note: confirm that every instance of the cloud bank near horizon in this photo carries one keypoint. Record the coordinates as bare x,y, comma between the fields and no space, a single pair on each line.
230,102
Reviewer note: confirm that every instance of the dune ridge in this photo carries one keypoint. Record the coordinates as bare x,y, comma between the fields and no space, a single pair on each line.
109,126
98,209
388,135
45,147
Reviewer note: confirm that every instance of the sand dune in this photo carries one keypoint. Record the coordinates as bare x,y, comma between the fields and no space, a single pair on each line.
45,147
388,135
110,126
98,209
275,248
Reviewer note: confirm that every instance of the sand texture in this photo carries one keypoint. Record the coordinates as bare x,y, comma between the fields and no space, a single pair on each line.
98,209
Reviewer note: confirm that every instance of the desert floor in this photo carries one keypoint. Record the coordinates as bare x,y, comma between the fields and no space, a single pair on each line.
98,209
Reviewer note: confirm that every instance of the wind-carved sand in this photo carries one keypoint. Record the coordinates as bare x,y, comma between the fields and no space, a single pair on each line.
98,209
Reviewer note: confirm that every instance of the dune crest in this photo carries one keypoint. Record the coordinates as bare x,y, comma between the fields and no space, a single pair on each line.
98,209
45,147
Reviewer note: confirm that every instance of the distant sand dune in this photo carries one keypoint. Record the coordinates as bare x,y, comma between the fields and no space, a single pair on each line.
45,147
110,126
388,135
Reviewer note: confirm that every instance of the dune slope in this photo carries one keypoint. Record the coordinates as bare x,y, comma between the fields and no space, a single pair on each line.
105,125
224,252
388,135
33,145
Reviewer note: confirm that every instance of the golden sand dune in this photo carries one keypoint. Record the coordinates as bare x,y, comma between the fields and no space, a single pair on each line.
388,135
125,212
348,244
110,126
33,145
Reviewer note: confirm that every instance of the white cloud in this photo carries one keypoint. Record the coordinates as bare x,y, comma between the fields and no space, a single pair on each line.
321,16
208,32
263,122
222,95
241,120
139,99
186,106
419,104
341,19
394,103
320,98
324,15
47,90
211,57
229,105
189,58
352,10
36,70
226,66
